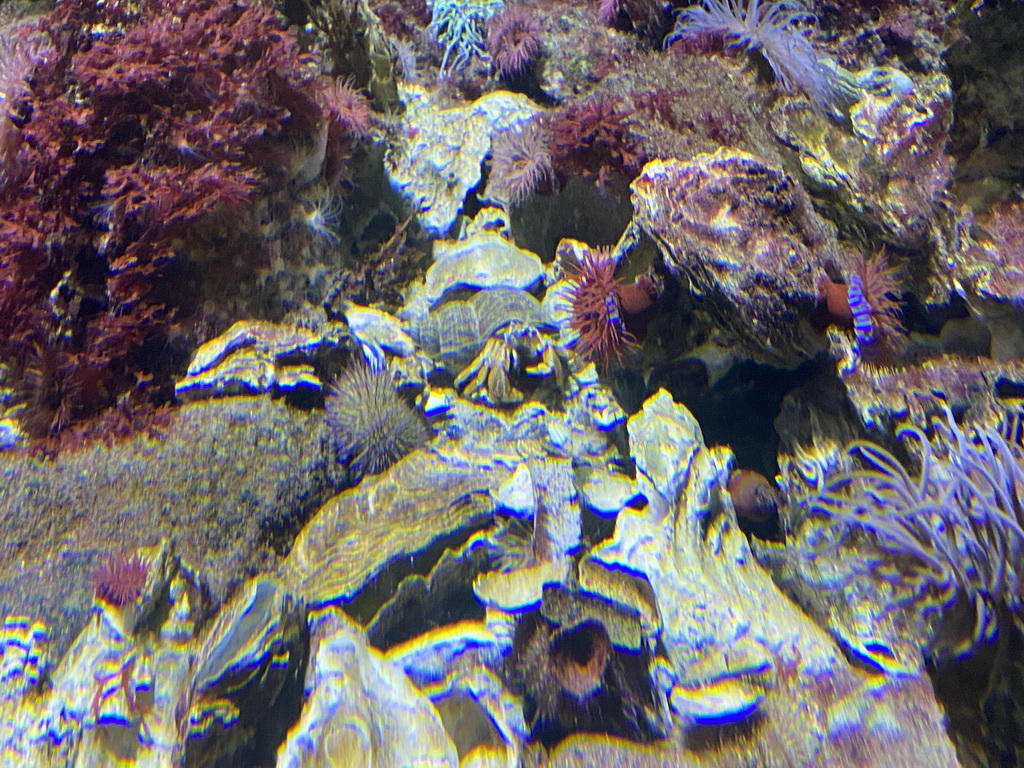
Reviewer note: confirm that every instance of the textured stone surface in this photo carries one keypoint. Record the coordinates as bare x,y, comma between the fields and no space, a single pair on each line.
223,478
743,232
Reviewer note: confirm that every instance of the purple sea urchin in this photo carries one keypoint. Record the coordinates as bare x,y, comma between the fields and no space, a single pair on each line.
371,424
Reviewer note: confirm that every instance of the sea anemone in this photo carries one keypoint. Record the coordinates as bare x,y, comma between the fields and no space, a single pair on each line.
520,163
513,40
120,579
321,213
867,306
346,107
601,334
778,30
372,425
954,534
458,26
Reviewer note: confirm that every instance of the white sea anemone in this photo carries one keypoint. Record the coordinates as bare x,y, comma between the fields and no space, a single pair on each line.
780,31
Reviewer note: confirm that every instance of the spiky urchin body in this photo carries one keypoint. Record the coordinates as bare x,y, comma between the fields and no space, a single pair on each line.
372,425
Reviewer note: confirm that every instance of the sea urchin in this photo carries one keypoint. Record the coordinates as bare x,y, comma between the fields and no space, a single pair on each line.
371,424
513,40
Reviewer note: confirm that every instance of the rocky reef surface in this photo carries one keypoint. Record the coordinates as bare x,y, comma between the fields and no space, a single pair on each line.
473,383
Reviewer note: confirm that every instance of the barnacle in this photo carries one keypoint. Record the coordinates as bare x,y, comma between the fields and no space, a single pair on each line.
953,534
778,30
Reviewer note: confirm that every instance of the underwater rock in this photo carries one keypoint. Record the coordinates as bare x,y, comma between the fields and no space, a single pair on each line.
255,356
352,538
492,343
376,332
361,709
253,648
737,650
449,489
891,174
437,157
140,686
475,318
458,666
987,268
884,396
483,260
219,478
744,233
